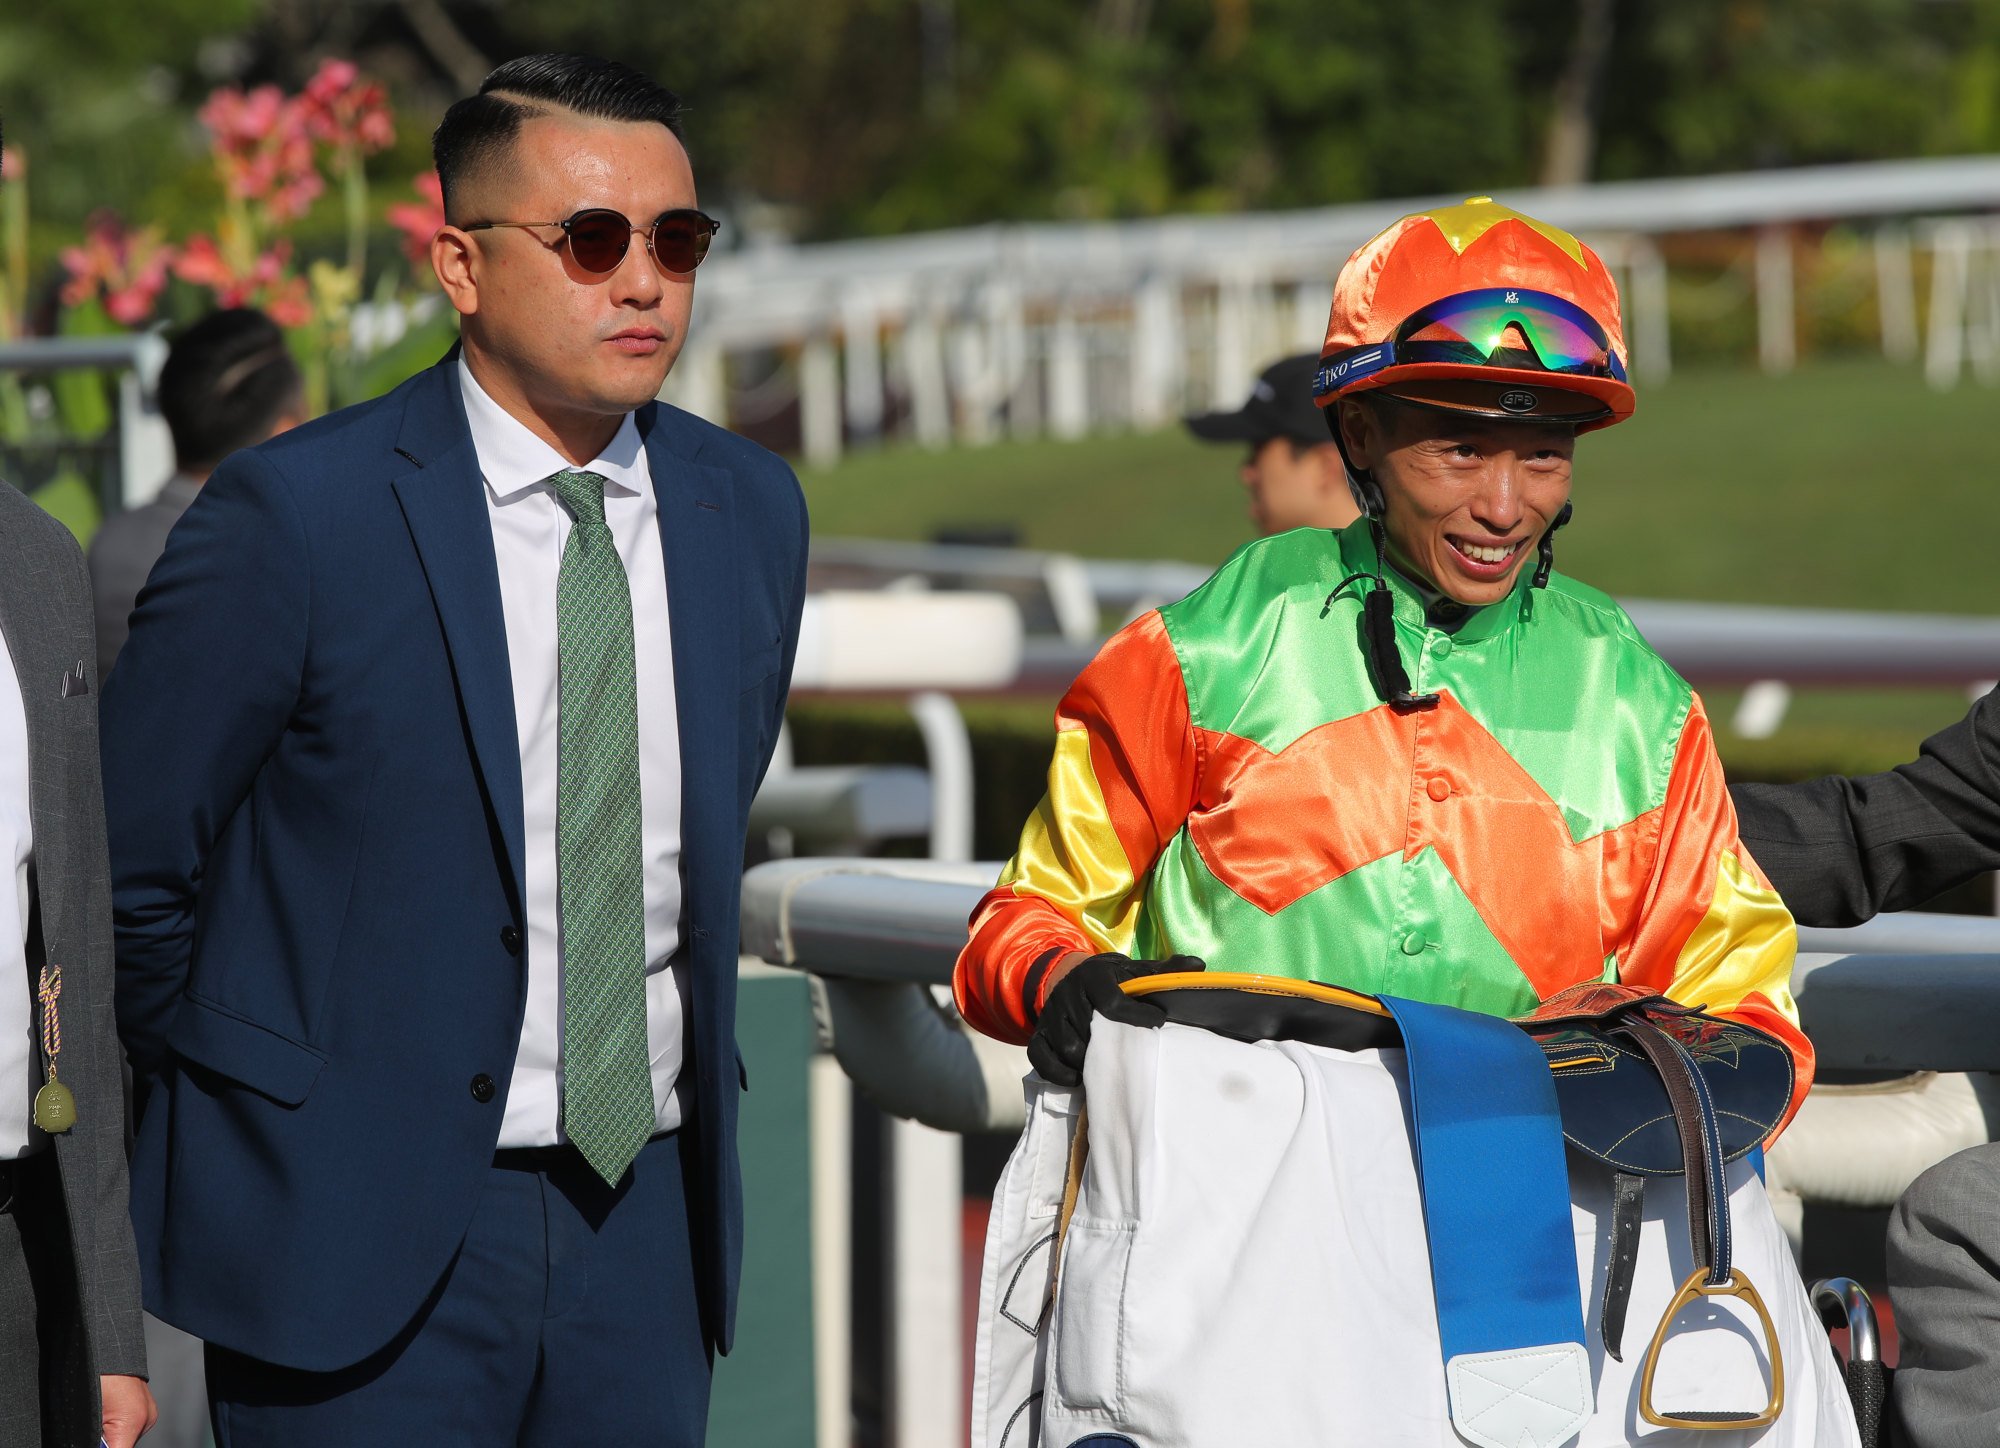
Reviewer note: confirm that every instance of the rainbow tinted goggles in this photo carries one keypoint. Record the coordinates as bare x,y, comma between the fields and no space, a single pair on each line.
1472,329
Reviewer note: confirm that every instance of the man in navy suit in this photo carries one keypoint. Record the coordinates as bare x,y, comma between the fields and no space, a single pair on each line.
429,762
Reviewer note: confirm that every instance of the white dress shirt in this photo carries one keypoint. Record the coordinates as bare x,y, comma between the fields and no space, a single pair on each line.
19,1071
529,530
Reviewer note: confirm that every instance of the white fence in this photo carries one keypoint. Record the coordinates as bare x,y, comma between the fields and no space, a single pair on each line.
1071,328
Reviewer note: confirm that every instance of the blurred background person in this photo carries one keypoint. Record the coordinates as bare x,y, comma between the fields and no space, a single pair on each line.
1292,470
229,382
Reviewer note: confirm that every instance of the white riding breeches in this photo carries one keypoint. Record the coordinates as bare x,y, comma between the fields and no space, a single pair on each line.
1246,1267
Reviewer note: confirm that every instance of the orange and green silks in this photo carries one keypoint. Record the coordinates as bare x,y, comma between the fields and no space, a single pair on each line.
1227,784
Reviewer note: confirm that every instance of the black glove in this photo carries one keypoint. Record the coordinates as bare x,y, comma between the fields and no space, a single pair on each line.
1062,1030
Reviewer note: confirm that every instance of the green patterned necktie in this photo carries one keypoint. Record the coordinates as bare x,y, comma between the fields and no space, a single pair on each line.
600,855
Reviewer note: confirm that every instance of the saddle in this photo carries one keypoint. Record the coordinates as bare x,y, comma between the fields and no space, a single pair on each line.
1647,1086
1653,1088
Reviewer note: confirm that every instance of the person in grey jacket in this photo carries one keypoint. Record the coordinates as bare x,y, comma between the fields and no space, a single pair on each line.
1841,851
72,1355
229,382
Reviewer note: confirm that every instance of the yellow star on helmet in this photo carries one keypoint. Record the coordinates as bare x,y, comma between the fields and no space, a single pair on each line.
1474,217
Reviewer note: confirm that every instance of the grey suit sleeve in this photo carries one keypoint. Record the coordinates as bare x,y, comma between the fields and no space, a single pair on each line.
1944,1277
95,1182
1841,851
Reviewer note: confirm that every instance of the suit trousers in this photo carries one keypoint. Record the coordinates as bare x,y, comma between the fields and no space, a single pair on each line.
567,1317
1944,1277
37,1297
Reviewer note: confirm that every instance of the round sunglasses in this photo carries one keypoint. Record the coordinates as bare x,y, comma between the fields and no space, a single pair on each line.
599,237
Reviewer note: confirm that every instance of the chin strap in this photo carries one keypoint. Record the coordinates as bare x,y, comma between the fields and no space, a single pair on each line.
1547,548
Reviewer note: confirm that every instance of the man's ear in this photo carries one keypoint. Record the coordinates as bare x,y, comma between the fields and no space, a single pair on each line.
1360,431
453,254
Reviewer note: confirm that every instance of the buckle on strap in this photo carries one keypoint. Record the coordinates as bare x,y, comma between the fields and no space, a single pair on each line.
1698,1285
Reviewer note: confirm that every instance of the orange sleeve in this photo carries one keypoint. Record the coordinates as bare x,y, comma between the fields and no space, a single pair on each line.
1120,785
1712,932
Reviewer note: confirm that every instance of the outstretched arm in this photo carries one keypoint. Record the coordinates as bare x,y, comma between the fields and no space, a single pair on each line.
1842,851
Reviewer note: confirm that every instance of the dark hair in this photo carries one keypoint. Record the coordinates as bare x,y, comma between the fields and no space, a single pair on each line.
226,382
476,130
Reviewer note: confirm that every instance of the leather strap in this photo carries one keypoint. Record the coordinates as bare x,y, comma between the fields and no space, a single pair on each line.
1701,1150
1079,1153
1628,1210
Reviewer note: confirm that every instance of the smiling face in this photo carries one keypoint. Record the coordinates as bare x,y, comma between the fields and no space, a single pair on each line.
567,352
1465,498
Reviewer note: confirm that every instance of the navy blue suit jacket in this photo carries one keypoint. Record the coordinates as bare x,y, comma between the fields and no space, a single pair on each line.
314,793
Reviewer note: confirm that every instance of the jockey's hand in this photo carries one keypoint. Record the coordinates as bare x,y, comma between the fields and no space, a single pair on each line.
1088,989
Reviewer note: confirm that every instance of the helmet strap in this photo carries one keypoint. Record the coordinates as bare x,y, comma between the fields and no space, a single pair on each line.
1547,548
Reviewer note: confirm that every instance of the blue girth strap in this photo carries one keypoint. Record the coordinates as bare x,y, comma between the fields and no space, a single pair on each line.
1489,1153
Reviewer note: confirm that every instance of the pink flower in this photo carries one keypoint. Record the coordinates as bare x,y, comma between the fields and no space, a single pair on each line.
288,302
13,165
264,149
345,113
269,282
201,263
419,221
128,269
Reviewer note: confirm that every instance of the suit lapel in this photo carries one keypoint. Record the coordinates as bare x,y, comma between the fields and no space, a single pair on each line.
34,634
698,537
444,503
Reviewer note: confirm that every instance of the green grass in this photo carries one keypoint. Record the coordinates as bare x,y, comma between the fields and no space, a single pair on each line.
1846,485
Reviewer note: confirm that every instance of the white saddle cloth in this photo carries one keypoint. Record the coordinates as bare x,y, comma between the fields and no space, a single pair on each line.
1247,1268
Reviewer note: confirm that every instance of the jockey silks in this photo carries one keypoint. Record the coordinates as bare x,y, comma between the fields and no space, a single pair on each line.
1227,784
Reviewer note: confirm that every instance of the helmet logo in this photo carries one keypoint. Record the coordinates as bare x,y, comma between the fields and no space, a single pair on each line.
1513,297
1518,400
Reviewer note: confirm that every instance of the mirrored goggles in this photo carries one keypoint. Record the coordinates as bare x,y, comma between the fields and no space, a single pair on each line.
1493,327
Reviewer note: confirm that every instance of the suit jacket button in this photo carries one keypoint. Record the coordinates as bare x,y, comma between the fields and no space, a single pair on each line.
482,1088
510,940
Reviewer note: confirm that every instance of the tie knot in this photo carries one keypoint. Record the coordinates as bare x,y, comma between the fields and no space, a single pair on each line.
581,492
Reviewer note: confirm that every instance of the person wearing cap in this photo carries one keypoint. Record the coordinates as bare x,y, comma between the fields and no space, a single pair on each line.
1408,757
1292,472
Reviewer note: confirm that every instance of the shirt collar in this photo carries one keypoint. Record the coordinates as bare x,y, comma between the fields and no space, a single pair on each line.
514,460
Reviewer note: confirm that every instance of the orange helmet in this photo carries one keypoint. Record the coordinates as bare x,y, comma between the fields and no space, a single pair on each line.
1478,308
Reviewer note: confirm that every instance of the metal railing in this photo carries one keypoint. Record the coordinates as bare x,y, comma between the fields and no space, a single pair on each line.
1904,993
145,450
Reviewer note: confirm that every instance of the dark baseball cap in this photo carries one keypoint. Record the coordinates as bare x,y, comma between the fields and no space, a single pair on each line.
1280,405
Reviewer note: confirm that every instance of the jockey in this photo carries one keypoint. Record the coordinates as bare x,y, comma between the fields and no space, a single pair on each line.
1407,757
